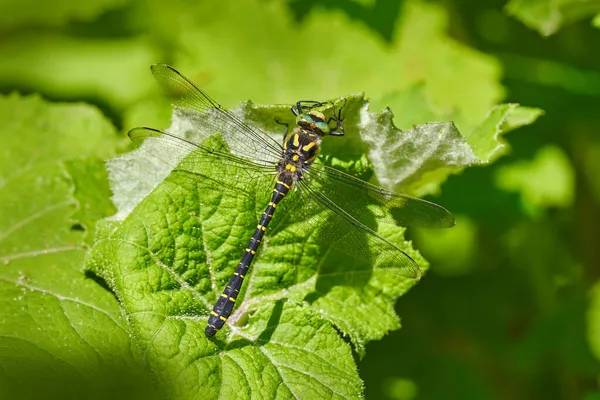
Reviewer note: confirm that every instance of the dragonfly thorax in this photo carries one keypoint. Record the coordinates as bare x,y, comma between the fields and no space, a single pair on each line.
300,148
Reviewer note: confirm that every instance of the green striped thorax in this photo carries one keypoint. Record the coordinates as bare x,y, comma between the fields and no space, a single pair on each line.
313,120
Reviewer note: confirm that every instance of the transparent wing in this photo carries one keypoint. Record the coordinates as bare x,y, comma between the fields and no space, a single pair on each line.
209,117
352,195
357,238
347,211
320,229
210,160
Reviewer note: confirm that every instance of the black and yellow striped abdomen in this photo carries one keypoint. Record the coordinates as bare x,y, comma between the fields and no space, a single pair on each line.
225,303
301,147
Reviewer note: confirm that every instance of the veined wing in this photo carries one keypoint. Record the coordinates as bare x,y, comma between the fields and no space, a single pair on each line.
209,117
357,238
345,205
353,195
206,159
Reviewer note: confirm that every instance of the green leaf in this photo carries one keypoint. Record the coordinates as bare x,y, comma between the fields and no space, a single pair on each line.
413,105
486,138
52,64
552,74
58,329
461,241
546,181
416,160
167,262
548,16
90,189
15,13
418,170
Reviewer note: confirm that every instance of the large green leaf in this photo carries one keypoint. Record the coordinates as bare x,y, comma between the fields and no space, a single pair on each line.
419,158
52,64
548,16
486,137
61,335
546,181
15,13
166,262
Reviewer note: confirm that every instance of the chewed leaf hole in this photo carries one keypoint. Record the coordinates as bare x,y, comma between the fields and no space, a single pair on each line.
77,227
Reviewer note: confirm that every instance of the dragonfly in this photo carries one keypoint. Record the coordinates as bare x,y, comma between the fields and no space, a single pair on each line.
337,200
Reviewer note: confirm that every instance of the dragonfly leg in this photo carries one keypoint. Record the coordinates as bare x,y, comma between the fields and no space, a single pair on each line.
338,121
306,104
287,128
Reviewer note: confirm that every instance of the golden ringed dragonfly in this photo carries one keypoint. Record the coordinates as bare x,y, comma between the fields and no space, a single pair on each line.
317,194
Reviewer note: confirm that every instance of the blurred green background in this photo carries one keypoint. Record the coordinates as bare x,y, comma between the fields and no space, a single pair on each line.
509,308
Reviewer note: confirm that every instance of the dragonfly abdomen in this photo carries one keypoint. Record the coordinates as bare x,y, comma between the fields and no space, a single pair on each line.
225,303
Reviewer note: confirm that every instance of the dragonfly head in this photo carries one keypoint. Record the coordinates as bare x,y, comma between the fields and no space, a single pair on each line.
313,120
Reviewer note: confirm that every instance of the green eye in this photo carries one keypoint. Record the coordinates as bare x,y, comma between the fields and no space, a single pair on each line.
323,127
303,119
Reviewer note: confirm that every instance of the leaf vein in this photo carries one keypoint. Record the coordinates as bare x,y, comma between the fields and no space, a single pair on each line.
63,298
32,218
